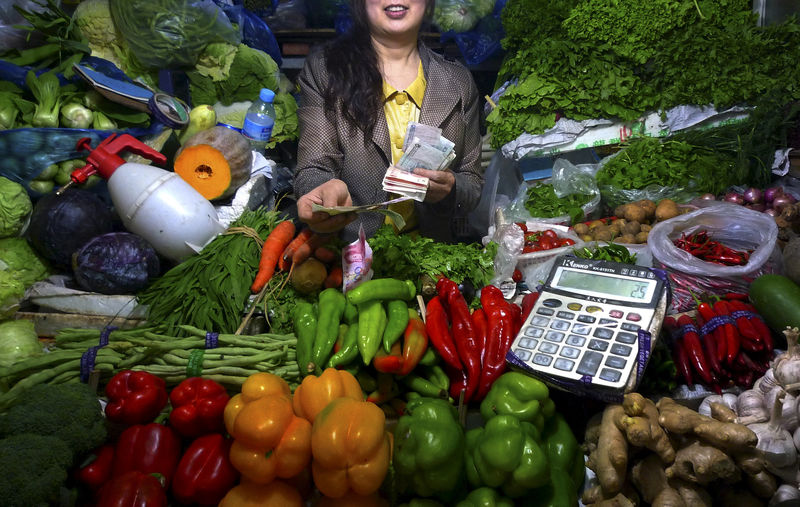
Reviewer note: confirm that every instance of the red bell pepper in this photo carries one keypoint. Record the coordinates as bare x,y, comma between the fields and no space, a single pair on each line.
198,405
96,470
528,301
439,332
205,473
135,397
464,335
500,323
481,326
148,448
132,489
415,342
516,314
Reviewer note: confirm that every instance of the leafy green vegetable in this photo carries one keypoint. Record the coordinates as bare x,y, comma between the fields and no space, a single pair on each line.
15,206
102,122
20,341
611,252
455,15
93,19
401,256
250,71
74,115
18,258
12,291
47,90
542,202
216,60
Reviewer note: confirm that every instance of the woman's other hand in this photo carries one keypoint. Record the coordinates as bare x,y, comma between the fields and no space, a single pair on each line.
329,194
440,183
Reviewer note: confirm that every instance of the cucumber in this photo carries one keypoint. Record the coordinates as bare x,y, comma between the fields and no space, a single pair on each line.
777,299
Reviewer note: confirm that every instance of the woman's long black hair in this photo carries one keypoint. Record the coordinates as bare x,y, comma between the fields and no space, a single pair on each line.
355,80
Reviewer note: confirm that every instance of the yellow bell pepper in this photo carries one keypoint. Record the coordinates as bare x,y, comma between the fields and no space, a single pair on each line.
314,393
351,448
275,494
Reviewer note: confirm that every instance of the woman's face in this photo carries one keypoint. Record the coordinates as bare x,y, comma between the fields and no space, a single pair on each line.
395,17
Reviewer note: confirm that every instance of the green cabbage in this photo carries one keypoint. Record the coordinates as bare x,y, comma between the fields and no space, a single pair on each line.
15,207
12,291
18,340
18,258
93,19
455,15
249,72
216,59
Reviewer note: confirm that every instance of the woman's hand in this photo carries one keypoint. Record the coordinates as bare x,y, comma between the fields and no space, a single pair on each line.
440,183
331,193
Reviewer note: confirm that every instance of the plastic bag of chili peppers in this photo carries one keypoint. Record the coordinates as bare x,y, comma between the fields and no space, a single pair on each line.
714,250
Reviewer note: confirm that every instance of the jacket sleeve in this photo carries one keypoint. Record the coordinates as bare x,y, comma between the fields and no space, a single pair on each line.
469,177
319,156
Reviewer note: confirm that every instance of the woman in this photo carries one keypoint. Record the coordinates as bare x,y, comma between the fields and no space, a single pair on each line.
357,96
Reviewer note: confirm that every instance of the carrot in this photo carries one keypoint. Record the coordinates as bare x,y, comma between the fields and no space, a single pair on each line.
286,256
304,251
325,254
334,278
277,240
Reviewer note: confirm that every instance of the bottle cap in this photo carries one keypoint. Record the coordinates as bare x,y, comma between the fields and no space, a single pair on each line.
266,95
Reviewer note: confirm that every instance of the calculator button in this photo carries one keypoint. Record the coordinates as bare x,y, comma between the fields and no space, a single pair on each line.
616,314
545,311
630,327
522,354
589,362
570,352
548,348
593,309
626,338
576,340
586,318
620,350
615,362
552,303
608,322
565,315
561,325
598,345
580,329
534,332
563,364
554,336
603,333
527,343
574,306
542,359
610,375
540,321
634,317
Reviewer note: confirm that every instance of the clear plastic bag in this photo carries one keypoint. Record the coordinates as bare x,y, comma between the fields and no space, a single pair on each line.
253,31
733,225
170,34
483,40
12,37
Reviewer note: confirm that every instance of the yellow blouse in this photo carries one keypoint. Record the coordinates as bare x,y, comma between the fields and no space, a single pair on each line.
401,107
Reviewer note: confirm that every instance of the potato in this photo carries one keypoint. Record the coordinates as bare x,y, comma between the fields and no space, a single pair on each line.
587,237
666,209
648,206
603,234
309,276
596,223
580,229
645,228
626,238
619,211
635,213
632,227
641,237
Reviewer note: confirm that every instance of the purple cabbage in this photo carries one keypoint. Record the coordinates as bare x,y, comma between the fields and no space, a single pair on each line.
115,263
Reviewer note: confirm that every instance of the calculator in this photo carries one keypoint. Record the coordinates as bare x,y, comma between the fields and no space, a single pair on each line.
589,324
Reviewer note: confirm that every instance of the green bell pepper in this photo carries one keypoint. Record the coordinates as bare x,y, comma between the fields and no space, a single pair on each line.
563,450
429,448
485,497
520,395
506,454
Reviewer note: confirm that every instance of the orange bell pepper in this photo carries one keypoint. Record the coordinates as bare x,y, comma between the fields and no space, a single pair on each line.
351,499
269,439
275,494
351,448
314,393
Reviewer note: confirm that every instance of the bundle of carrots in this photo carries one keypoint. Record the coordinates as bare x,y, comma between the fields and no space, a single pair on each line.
283,250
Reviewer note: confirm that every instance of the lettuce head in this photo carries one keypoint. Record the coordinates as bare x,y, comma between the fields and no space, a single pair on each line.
15,207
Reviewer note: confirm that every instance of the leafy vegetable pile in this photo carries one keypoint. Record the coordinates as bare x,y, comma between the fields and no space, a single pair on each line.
542,202
621,58
404,257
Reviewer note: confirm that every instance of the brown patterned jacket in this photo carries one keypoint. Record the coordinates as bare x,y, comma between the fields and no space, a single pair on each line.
333,149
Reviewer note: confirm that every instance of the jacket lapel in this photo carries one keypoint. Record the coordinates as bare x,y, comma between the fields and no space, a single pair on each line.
380,136
440,96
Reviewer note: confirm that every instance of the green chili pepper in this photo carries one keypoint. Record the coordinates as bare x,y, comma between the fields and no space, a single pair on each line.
331,308
429,358
382,288
397,315
349,349
350,315
305,328
371,324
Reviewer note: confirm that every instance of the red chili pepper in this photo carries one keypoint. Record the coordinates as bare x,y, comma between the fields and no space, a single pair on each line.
389,362
745,327
731,334
464,335
148,448
96,470
481,326
761,328
694,349
439,332
746,364
709,343
132,489
738,296
707,313
198,405
516,313
458,383
135,397
415,342
205,473
528,301
500,320
679,356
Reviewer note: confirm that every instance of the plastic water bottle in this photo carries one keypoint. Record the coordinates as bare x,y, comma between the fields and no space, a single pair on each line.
259,120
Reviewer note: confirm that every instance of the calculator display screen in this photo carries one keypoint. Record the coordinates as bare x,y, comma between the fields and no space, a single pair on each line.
614,286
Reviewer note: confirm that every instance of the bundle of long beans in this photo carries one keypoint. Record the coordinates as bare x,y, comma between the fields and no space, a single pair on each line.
232,359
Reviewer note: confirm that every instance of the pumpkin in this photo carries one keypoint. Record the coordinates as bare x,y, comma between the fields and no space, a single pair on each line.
215,162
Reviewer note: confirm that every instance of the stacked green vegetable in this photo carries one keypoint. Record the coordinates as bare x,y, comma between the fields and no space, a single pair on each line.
541,201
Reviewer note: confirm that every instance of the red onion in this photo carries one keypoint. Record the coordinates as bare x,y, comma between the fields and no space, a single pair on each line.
781,201
770,193
734,197
753,195
757,206
708,197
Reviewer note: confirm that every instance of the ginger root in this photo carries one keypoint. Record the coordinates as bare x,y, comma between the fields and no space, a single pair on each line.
650,479
676,418
693,495
610,459
639,408
763,484
723,413
702,464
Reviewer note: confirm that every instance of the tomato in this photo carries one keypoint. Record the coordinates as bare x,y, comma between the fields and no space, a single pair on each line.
517,276
522,226
531,249
532,236
550,233
548,243
566,242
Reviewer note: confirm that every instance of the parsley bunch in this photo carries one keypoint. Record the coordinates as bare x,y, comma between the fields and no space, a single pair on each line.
541,201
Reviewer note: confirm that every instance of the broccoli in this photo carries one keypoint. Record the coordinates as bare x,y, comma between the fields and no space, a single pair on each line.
33,468
69,412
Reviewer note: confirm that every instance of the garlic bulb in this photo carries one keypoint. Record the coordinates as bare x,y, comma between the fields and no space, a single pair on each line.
785,494
766,383
796,438
776,443
786,367
789,416
750,407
